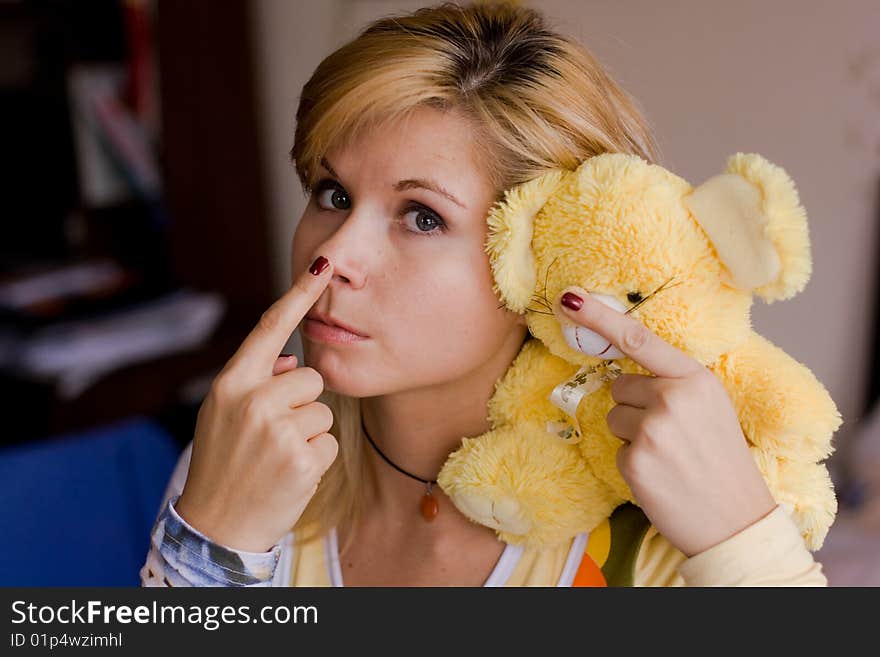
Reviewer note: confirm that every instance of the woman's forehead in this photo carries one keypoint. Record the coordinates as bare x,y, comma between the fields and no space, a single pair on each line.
428,147
425,134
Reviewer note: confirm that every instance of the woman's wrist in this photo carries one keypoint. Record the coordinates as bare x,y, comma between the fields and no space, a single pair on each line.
739,519
769,552
238,541
203,561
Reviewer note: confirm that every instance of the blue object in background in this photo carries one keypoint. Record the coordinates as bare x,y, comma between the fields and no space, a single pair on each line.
77,509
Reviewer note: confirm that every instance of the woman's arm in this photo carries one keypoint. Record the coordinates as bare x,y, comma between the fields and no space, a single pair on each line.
770,552
180,555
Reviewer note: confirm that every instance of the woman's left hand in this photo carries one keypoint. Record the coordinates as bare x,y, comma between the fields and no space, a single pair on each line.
684,455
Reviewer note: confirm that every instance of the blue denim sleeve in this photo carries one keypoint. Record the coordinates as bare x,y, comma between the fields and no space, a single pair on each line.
189,558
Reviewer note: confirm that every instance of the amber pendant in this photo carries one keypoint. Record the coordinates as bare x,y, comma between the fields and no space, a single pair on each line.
429,506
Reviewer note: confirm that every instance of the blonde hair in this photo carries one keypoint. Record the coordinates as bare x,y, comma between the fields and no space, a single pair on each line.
536,100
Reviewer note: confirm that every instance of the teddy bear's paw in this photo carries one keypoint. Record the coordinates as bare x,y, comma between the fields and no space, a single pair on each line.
504,513
805,489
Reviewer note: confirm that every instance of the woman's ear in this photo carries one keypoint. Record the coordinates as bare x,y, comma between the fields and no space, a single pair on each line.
509,242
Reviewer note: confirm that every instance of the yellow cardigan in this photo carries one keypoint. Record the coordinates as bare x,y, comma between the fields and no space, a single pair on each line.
770,552
624,550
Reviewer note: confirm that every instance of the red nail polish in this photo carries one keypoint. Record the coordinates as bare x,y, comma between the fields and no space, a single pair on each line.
572,301
319,265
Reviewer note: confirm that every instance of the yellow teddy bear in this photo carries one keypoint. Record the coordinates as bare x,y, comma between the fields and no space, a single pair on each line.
685,262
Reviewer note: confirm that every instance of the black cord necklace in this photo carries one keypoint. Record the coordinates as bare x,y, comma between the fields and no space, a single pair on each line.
428,505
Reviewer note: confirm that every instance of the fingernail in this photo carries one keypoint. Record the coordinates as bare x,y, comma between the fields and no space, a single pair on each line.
319,265
573,301
284,355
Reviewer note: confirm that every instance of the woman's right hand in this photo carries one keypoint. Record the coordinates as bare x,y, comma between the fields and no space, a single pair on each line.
261,444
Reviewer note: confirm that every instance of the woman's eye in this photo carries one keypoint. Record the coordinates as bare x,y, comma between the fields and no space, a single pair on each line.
424,221
336,197
418,219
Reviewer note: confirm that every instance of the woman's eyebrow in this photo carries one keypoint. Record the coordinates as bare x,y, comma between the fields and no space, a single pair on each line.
326,165
409,183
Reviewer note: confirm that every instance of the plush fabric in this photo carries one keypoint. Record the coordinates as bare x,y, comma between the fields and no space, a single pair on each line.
620,227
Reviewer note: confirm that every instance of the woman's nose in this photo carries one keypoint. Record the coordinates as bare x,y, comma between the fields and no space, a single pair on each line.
349,248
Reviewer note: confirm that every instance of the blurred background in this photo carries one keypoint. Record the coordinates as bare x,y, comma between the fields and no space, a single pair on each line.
149,205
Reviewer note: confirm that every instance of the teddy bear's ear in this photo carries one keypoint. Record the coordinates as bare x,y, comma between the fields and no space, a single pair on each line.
754,219
509,241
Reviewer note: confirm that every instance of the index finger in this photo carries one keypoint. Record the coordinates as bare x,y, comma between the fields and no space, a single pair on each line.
633,338
258,351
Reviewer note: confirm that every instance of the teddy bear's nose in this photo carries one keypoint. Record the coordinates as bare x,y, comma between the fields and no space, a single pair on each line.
589,342
609,301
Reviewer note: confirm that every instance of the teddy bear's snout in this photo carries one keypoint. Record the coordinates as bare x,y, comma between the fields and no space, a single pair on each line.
589,342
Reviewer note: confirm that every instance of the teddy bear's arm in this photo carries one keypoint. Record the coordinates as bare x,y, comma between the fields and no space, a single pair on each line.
783,409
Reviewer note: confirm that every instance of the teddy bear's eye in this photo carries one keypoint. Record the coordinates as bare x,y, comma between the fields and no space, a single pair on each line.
634,297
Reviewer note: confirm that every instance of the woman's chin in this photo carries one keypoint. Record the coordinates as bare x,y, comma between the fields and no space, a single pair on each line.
346,388
339,377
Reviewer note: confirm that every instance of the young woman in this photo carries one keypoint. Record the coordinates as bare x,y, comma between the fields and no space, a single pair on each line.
405,138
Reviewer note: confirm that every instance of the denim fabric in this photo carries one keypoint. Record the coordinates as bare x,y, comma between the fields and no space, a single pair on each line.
189,558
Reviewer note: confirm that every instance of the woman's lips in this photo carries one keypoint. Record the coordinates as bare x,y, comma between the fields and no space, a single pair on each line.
318,330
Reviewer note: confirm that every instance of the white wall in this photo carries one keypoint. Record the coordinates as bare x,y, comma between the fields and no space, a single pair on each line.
797,81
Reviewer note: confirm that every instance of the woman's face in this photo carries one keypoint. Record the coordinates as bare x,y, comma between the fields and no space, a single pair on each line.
410,270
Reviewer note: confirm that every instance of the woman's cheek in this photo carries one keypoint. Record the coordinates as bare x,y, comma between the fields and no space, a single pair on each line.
298,249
